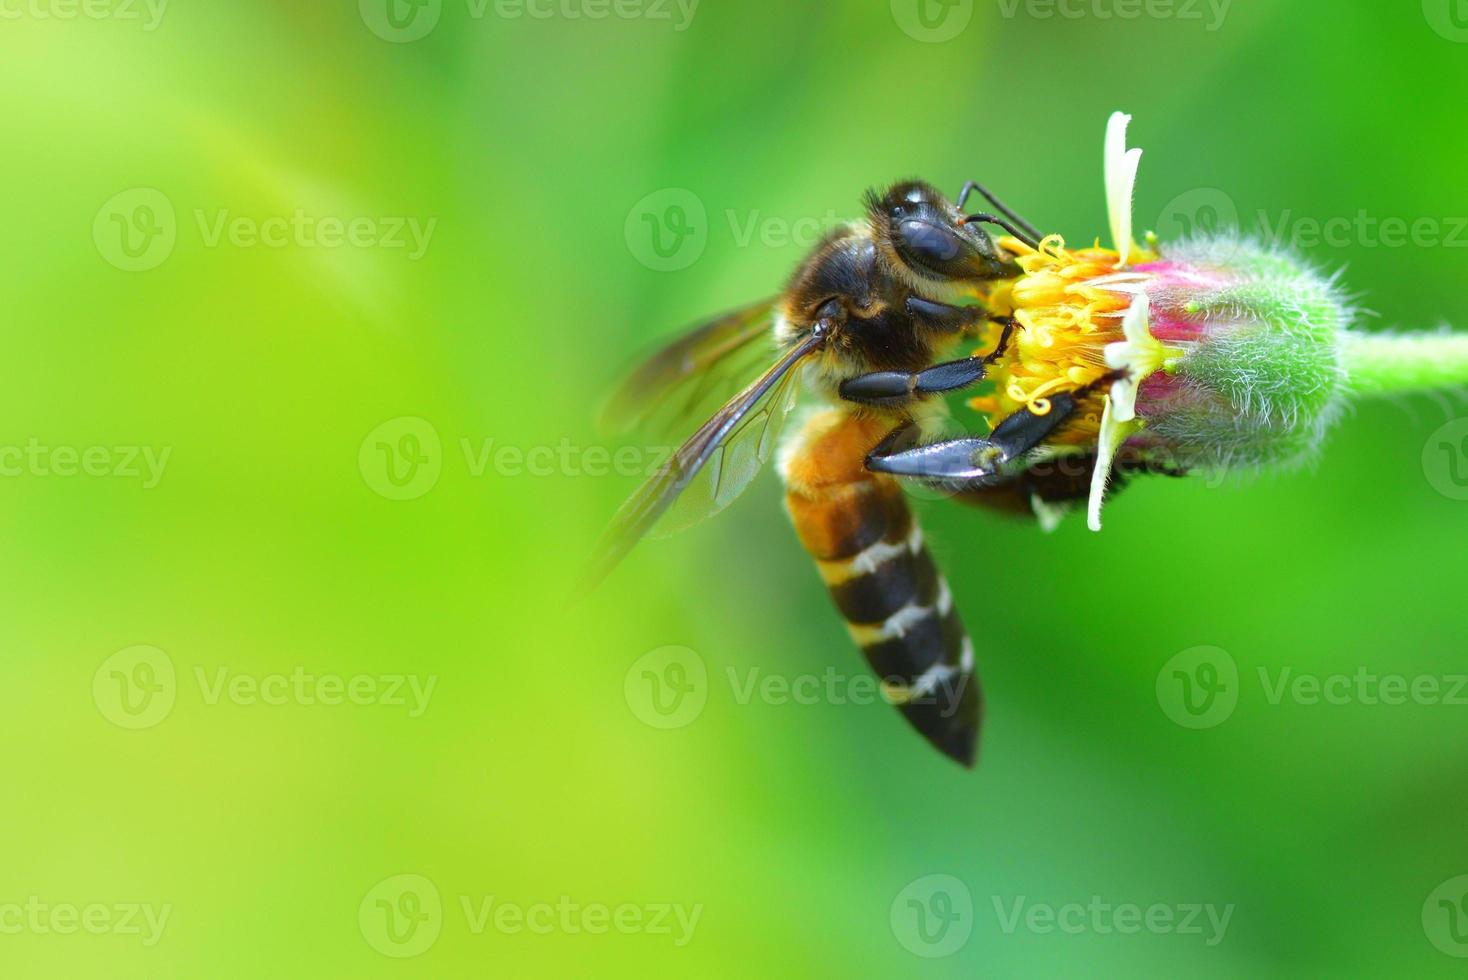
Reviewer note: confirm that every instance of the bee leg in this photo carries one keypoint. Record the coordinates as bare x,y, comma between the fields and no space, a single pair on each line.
974,185
899,440
896,387
976,462
942,316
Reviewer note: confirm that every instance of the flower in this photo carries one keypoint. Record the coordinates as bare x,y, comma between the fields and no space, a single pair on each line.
1212,353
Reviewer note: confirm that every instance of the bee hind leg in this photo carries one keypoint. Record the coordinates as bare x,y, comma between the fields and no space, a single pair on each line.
974,462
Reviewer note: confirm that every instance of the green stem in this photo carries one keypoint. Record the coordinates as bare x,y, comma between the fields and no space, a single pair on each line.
1385,364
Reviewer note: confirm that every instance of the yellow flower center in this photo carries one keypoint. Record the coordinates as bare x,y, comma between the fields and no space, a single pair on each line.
1065,320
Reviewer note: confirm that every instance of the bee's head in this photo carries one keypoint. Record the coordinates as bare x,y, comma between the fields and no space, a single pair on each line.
924,235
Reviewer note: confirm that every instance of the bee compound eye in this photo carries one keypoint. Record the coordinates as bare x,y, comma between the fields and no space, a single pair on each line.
929,245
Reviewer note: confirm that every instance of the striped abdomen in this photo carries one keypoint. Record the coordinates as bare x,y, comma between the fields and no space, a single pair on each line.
870,552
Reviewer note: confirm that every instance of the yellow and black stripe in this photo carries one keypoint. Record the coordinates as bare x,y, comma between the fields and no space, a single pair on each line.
871,555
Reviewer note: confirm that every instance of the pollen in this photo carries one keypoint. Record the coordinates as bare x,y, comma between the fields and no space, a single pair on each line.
1067,308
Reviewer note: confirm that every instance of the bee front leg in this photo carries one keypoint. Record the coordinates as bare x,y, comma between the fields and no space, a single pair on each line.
975,462
887,388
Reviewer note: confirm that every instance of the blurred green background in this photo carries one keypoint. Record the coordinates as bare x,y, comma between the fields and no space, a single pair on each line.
303,543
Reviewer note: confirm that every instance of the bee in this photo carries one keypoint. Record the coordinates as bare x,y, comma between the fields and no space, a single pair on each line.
869,323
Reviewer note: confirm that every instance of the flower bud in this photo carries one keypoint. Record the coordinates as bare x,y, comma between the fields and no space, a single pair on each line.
1242,363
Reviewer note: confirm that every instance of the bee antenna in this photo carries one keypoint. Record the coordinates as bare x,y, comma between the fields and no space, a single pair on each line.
994,219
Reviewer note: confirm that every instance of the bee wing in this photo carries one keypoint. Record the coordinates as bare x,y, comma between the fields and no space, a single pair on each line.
693,376
713,467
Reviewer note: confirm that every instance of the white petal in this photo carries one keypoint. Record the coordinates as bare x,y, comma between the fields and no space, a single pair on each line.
1121,282
1049,515
1113,433
1133,356
1118,354
1124,398
1137,324
1120,166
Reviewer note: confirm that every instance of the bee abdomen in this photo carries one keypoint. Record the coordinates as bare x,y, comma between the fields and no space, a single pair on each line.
897,606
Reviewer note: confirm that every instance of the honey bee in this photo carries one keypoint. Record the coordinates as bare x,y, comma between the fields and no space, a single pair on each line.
866,324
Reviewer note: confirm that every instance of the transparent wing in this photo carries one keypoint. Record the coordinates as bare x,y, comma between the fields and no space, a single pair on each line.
687,381
713,467
732,467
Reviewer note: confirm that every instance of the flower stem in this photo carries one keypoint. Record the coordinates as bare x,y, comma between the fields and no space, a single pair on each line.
1383,364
